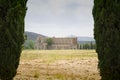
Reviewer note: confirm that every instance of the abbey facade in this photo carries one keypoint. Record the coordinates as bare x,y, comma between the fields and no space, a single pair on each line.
56,43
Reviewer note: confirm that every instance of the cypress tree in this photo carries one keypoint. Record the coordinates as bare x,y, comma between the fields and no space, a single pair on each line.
12,14
106,15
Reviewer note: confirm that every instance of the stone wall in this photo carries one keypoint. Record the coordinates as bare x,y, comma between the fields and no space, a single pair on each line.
58,43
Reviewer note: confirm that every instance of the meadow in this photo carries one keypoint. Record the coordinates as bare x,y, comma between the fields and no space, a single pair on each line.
58,65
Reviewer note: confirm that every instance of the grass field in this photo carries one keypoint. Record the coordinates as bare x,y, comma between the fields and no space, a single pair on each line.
58,65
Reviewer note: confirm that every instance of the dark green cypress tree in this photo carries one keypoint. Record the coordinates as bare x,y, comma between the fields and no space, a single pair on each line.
106,15
12,14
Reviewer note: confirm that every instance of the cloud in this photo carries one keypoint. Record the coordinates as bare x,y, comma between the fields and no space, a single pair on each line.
57,7
59,15
59,30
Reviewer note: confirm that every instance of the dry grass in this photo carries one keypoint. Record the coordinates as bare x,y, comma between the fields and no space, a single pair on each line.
58,65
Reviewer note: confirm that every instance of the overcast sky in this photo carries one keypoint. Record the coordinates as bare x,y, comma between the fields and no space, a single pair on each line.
60,18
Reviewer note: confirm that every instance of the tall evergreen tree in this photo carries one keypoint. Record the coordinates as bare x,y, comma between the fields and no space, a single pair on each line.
12,14
106,15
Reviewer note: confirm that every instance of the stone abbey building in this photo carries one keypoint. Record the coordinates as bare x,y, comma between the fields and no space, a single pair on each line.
57,43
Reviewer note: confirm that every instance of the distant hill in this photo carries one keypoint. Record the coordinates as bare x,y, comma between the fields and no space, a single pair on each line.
86,42
85,39
82,40
32,36
31,39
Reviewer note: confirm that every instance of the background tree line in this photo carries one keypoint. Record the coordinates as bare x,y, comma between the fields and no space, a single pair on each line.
87,46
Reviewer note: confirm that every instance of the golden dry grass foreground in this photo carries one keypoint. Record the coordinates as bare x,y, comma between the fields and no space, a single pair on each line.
58,65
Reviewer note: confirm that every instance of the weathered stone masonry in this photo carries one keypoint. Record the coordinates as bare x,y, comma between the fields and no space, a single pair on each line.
58,43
